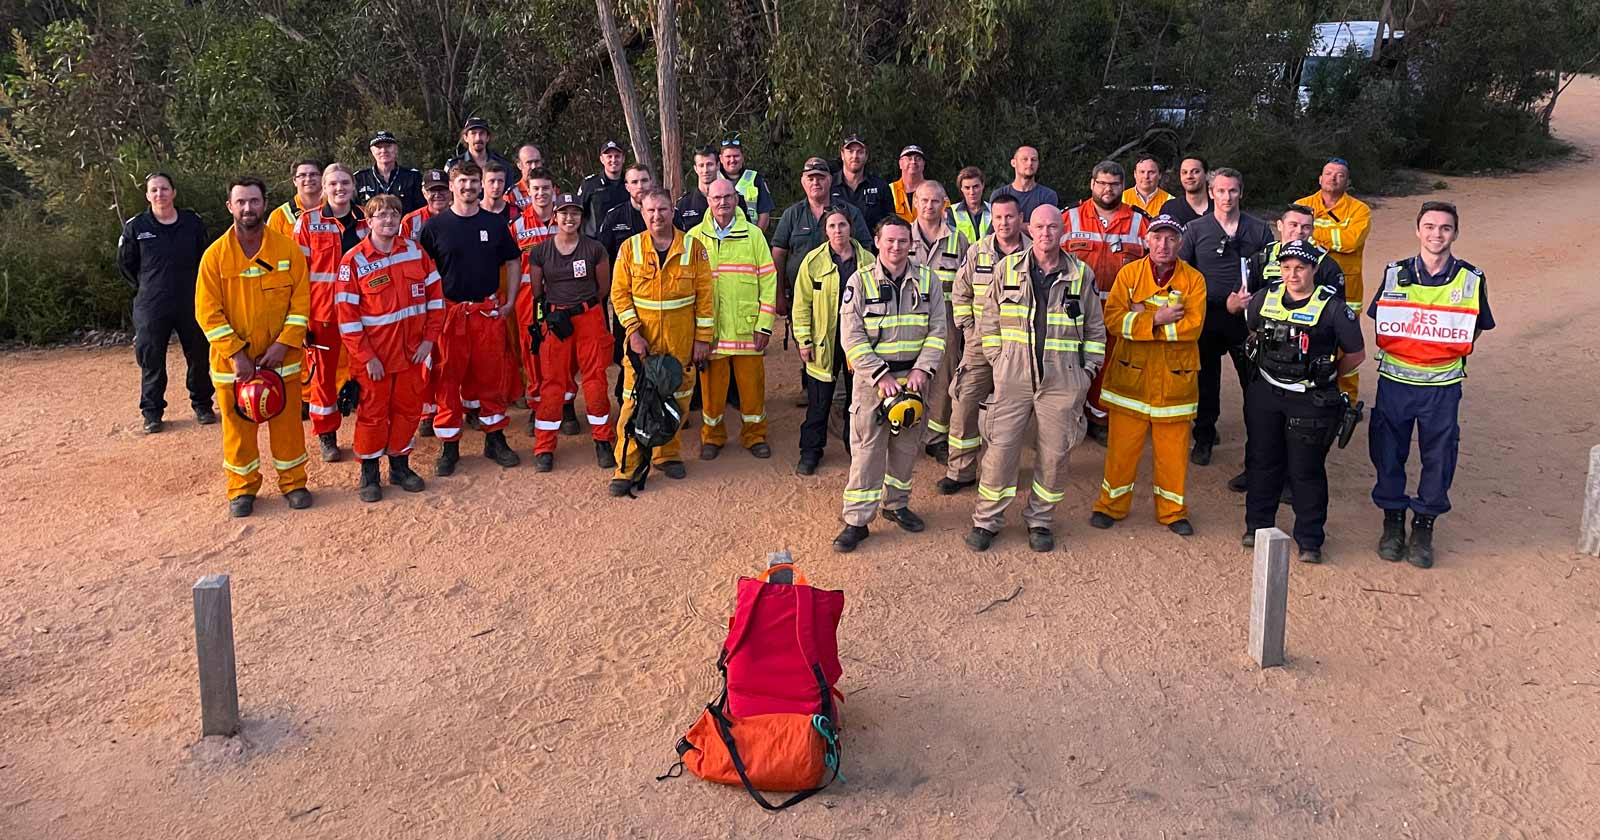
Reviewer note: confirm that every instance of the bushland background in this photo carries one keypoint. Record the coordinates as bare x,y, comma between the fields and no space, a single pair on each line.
93,95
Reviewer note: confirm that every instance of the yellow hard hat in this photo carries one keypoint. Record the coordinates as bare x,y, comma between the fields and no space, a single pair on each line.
901,411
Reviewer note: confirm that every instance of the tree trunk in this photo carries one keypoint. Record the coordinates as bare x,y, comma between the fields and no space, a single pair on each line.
667,80
626,91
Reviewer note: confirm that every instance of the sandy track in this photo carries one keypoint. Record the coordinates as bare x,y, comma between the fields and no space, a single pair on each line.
1112,698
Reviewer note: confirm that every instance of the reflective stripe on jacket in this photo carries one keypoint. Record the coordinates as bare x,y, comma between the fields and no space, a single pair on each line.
1154,370
388,304
1424,332
744,284
248,303
815,316
1074,340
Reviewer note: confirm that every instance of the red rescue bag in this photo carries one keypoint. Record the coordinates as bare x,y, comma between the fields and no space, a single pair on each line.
775,725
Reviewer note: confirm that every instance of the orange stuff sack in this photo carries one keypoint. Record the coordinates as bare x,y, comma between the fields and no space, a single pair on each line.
782,752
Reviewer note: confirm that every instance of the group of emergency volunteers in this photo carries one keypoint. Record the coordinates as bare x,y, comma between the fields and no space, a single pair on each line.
968,330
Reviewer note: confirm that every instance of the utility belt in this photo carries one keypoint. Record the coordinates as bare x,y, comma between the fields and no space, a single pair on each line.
574,308
1324,431
557,319
901,367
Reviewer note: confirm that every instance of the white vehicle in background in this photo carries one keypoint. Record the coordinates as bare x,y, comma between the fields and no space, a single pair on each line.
1335,45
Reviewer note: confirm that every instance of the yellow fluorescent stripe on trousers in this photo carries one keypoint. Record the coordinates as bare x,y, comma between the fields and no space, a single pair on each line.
891,481
1115,492
288,465
992,495
863,495
964,443
1169,496
1120,401
1052,498
247,469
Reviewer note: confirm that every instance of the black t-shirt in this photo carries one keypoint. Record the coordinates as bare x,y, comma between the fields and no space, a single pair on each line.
622,222
569,278
871,197
1178,208
1221,258
1337,319
470,251
161,261
349,228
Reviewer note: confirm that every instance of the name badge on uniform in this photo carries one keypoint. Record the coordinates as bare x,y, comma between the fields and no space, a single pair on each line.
378,281
483,236
580,268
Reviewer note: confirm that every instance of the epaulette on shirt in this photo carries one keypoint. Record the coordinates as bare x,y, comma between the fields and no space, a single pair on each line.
1470,267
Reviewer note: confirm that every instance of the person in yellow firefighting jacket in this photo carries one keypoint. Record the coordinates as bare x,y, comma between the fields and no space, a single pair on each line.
661,292
1151,388
973,381
1042,331
253,300
892,329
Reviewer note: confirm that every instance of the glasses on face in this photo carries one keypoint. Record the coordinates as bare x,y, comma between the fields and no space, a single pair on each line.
1110,185
305,176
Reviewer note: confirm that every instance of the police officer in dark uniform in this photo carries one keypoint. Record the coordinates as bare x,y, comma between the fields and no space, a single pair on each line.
856,186
604,190
159,254
1296,222
1292,405
387,177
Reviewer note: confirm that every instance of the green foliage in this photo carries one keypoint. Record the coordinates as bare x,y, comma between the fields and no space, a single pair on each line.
93,96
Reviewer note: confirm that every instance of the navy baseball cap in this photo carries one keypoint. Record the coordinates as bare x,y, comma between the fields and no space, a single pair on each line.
610,145
913,149
476,122
853,140
815,164
382,137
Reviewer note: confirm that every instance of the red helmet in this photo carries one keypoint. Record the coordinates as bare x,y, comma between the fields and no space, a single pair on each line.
261,397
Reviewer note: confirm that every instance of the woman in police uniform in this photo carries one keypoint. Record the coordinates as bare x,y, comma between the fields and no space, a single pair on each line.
1292,404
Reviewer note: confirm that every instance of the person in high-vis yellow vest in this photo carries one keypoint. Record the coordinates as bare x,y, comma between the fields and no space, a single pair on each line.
744,285
1146,192
1151,389
1429,311
970,216
935,245
751,186
253,300
307,175
913,162
661,292
1342,224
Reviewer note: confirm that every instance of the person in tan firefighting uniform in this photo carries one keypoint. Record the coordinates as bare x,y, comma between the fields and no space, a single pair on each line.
1042,331
1155,308
892,329
941,248
973,379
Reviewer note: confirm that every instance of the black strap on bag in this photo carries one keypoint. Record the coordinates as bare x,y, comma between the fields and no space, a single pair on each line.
629,429
832,757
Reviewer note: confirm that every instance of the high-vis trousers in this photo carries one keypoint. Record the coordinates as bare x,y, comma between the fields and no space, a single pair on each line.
534,365
328,367
1125,439
1059,412
472,360
938,393
390,410
750,372
1433,411
241,455
589,350
974,381
880,462
672,450
1350,383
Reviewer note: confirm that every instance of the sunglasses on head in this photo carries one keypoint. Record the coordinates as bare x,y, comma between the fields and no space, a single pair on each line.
727,143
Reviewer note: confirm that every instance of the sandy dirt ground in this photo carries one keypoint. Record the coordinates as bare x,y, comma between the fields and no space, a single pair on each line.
513,655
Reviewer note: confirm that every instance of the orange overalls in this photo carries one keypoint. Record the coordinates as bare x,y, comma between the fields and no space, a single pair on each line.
1342,229
388,304
320,237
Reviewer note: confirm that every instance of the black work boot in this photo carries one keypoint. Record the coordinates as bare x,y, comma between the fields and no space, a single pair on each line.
426,429
604,456
241,506
330,446
938,451
849,538
371,488
400,473
948,486
569,421
979,539
1420,552
544,461
449,454
1041,539
1392,545
497,450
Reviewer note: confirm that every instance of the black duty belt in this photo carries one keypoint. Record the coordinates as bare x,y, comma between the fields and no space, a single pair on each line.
902,367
